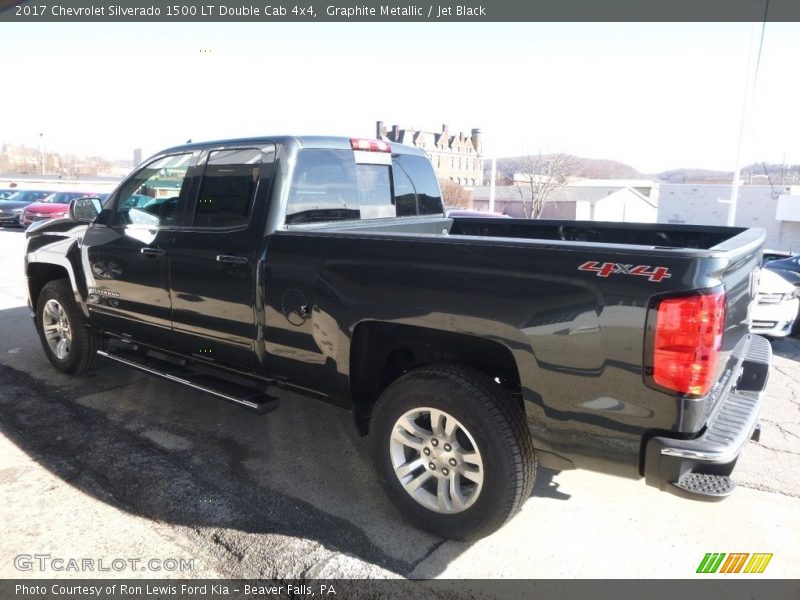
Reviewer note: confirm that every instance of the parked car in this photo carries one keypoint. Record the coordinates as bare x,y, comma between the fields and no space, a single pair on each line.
789,269
470,350
12,206
769,256
776,306
5,193
53,206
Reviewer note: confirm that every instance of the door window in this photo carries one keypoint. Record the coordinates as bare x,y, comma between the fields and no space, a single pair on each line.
228,187
152,197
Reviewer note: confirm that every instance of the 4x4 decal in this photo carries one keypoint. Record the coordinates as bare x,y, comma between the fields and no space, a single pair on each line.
605,269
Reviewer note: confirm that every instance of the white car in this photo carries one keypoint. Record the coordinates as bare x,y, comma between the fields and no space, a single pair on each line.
775,308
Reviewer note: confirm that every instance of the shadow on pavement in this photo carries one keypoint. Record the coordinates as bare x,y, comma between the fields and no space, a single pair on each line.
163,452
545,487
788,347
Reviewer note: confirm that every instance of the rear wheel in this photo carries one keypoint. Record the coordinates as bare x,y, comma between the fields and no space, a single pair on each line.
70,345
453,451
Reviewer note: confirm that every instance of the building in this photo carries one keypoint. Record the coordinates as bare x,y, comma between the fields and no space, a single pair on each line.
624,201
773,208
455,157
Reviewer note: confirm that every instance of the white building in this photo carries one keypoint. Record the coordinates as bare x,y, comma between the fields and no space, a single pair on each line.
774,209
624,201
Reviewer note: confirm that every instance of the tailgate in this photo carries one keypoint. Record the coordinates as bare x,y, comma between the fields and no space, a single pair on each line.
740,279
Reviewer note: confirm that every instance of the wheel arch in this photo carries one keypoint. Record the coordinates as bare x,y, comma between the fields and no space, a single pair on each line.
381,352
39,273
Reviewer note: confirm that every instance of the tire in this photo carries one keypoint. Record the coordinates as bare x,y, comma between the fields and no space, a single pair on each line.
488,470
72,345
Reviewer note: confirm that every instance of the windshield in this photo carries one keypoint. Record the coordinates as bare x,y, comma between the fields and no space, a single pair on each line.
64,197
26,196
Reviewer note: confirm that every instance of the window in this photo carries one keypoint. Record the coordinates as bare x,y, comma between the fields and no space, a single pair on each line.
328,185
420,176
228,186
374,191
404,193
325,187
152,197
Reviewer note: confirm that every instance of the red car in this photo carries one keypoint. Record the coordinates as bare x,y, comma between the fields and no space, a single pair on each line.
50,207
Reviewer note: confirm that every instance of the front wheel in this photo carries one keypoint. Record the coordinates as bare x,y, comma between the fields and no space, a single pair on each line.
70,345
453,451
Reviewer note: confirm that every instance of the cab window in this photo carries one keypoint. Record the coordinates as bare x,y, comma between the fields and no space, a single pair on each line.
152,197
228,186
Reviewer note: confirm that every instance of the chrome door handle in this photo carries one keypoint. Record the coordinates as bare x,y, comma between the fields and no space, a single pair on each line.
232,260
154,252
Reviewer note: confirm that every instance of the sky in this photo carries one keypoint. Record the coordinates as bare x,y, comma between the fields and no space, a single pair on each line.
654,96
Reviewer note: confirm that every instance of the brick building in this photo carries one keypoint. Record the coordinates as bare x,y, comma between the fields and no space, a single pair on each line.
455,157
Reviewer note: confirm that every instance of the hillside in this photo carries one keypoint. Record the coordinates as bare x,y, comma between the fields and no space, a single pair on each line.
590,168
760,173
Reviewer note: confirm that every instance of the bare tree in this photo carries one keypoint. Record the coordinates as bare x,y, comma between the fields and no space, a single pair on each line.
455,196
542,174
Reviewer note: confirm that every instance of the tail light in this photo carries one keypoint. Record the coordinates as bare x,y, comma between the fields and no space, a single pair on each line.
370,145
688,339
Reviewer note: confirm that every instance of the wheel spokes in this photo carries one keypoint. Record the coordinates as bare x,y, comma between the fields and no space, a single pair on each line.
406,469
413,485
443,501
455,494
441,467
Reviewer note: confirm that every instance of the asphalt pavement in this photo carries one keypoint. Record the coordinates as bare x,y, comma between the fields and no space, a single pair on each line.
116,464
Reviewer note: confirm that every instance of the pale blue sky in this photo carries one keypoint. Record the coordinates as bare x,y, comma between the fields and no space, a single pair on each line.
656,96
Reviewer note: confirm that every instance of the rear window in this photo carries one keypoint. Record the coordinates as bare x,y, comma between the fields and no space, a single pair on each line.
328,185
416,186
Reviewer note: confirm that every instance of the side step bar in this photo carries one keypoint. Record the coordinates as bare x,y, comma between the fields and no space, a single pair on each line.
249,397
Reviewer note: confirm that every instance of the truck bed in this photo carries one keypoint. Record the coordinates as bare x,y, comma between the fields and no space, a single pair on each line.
578,334
654,236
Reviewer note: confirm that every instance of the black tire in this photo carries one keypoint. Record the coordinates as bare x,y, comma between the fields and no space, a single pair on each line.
498,427
82,353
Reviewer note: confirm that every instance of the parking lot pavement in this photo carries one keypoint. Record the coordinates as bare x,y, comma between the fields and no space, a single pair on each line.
117,463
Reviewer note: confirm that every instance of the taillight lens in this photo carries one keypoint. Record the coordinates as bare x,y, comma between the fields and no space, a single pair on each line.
370,145
687,342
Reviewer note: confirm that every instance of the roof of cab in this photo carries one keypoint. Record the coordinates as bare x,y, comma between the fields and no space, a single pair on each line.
301,141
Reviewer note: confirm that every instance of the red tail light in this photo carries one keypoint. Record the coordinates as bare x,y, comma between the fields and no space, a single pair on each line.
687,342
370,145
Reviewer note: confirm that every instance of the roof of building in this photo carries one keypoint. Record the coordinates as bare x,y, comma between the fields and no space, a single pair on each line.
573,192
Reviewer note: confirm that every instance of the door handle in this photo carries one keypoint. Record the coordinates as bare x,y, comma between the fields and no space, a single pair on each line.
154,252
232,260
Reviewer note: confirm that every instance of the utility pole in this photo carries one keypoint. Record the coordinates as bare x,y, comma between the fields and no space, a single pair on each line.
745,113
493,148
41,151
783,168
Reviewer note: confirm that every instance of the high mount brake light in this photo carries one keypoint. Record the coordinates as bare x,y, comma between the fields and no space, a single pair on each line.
370,145
688,341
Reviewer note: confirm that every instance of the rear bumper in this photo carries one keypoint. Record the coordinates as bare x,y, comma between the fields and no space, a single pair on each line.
715,451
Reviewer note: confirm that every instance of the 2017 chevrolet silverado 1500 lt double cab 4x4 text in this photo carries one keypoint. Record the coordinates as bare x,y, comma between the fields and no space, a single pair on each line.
469,349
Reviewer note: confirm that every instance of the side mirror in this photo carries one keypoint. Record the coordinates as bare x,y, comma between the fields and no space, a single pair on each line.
84,210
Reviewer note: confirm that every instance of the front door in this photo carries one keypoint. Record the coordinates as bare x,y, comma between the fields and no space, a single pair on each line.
125,255
214,257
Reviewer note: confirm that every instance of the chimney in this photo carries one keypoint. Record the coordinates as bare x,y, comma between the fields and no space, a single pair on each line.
476,140
395,133
380,130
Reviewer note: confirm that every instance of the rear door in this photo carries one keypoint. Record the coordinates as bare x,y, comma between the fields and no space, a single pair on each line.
214,256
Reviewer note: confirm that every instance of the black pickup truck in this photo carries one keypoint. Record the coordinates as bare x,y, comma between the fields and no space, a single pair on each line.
469,349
